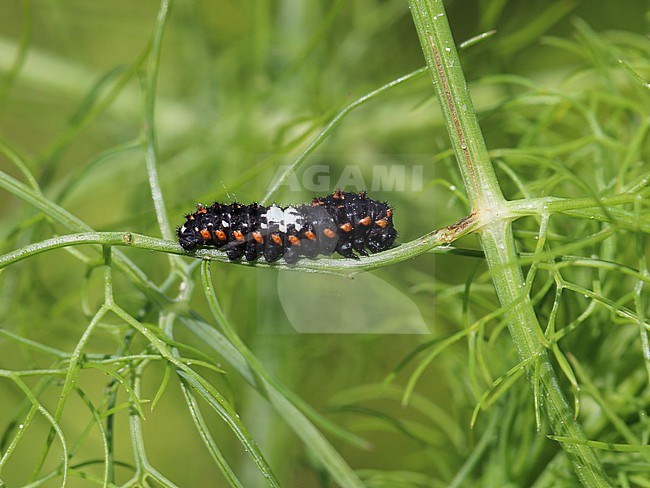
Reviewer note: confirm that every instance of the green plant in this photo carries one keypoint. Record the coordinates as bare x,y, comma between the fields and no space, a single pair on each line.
108,352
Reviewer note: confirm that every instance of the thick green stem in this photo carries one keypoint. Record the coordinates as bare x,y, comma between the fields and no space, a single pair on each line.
457,108
495,218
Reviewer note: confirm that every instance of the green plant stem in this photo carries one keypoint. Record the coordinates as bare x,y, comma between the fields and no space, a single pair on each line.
343,267
285,403
149,135
54,424
61,216
329,128
464,131
206,390
496,232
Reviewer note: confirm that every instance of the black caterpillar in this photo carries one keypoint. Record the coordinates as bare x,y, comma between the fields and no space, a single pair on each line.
341,222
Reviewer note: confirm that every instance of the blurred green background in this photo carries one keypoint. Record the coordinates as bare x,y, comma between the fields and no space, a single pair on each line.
243,87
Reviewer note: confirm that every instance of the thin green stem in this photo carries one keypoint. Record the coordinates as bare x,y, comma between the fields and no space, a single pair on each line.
90,109
331,126
196,414
20,161
72,223
294,413
54,423
144,469
74,367
19,432
106,461
341,267
209,393
149,126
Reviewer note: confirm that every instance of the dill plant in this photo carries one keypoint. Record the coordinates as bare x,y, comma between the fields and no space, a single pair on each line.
120,367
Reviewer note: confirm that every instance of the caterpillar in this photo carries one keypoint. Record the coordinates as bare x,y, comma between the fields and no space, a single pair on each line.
350,224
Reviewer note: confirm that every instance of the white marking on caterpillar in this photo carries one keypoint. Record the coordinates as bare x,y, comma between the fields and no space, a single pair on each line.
275,215
292,217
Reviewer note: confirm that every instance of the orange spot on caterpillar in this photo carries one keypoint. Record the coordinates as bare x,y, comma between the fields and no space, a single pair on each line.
347,227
